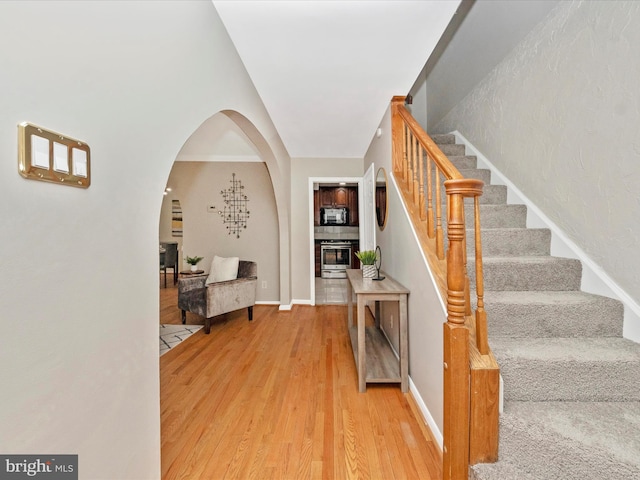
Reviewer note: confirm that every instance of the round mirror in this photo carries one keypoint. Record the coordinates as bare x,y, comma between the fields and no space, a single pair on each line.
381,198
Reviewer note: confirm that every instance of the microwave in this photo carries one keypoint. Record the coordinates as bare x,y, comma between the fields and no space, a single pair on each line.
334,216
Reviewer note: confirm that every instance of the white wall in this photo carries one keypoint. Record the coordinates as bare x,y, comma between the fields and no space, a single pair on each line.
79,304
403,260
198,185
301,170
559,117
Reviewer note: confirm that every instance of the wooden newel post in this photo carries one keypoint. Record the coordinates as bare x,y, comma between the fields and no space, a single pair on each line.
456,336
456,348
397,134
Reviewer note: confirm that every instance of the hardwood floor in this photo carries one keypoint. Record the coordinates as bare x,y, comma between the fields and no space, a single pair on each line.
277,398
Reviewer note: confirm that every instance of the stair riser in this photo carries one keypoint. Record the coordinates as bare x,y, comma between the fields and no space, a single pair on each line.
601,318
466,162
597,380
510,243
453,150
495,216
443,138
556,275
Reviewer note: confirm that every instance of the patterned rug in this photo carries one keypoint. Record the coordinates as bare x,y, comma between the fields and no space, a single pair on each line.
172,335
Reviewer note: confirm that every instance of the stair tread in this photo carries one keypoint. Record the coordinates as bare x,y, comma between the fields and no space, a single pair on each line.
567,440
571,297
584,349
596,424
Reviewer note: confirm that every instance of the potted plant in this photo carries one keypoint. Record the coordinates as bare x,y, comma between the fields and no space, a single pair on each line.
193,261
368,259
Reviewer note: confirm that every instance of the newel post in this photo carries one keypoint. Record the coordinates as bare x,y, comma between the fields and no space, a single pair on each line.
457,398
397,134
456,348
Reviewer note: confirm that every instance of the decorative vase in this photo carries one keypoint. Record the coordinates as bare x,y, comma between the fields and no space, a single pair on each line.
369,271
194,268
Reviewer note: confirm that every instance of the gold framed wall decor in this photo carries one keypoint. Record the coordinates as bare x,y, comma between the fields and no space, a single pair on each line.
48,156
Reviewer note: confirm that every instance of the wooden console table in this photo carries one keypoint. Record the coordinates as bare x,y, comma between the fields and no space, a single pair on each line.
375,360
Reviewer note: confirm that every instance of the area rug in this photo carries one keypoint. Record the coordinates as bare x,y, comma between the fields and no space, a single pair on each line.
173,335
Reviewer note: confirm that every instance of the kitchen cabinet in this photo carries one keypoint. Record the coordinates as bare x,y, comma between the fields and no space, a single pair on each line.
341,197
316,207
353,206
336,197
318,263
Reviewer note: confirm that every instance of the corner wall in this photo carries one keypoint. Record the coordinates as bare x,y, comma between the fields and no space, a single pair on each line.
80,306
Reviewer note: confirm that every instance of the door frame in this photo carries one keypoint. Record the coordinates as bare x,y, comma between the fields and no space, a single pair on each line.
312,256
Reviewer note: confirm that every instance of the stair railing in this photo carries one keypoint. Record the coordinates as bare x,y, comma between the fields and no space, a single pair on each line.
471,375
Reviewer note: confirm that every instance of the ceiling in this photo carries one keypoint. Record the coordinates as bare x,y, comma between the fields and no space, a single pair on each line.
326,69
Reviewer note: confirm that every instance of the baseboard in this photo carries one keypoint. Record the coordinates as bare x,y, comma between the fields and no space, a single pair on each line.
267,302
303,301
594,279
426,415
285,307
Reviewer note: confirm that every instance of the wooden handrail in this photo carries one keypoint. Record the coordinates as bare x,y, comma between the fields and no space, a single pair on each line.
471,374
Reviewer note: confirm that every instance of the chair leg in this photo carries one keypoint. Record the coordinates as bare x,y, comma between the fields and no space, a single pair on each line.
207,325
251,313
184,317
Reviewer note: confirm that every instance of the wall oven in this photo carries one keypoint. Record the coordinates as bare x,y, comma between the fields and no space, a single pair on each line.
335,258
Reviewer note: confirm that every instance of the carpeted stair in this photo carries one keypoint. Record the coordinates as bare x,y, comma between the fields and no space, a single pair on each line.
571,382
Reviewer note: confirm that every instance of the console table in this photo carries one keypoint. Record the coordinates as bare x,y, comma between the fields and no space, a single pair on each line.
375,360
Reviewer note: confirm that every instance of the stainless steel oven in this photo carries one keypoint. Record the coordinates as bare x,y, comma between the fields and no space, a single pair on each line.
335,258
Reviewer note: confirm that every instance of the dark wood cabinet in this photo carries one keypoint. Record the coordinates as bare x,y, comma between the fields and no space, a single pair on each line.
336,197
353,206
318,259
355,246
341,197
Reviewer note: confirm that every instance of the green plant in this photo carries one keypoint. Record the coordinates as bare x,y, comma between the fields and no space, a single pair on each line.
193,260
367,257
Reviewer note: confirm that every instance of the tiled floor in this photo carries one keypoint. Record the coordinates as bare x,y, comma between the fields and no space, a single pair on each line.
172,335
331,290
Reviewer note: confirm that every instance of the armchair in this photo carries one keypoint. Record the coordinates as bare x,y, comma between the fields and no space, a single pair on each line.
208,301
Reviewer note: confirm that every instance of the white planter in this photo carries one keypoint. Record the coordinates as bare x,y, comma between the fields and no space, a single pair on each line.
194,268
369,271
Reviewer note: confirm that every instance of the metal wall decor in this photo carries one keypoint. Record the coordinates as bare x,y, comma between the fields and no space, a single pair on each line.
235,213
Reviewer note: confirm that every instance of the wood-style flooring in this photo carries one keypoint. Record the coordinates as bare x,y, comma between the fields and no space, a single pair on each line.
277,398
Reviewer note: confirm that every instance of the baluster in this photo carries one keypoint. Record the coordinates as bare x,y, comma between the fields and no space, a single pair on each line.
411,148
467,282
430,223
405,164
482,335
423,212
414,178
439,232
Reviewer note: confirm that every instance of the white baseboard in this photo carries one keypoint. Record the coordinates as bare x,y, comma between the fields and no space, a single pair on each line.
285,307
267,302
426,414
594,279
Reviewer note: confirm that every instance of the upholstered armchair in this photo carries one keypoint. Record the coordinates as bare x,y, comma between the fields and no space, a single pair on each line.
212,299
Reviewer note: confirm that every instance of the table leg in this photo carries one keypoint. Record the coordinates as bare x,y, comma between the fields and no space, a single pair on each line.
349,305
362,354
404,345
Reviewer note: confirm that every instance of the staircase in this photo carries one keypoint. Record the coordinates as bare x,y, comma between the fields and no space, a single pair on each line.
571,382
